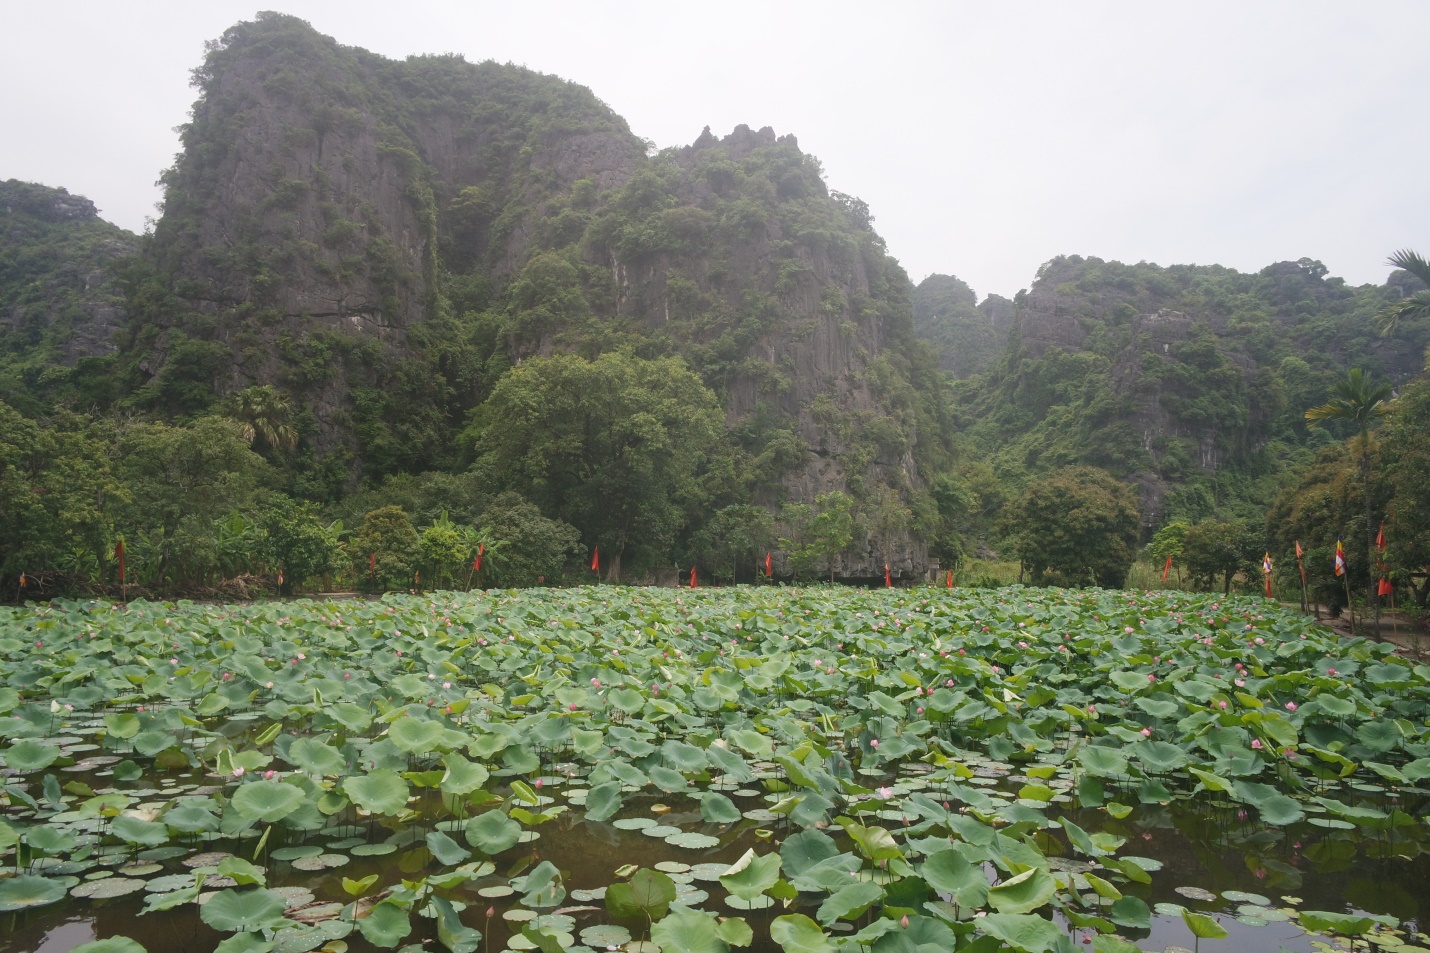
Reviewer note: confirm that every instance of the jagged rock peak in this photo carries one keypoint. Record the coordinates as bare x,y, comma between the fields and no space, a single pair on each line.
45,203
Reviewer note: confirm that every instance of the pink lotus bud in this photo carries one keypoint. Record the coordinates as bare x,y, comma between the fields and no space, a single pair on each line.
1146,732
904,921
268,775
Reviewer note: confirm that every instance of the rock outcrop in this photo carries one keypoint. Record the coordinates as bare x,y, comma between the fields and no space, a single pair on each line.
59,299
338,221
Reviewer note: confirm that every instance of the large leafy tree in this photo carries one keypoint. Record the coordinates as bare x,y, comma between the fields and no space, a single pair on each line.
1359,402
624,449
1415,305
1075,527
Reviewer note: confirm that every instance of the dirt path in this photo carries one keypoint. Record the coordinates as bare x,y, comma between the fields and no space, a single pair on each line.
1411,638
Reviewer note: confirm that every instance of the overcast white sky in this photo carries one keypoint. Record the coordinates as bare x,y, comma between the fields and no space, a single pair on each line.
986,138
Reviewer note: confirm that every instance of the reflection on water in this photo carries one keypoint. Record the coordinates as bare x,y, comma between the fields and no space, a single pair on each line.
1205,843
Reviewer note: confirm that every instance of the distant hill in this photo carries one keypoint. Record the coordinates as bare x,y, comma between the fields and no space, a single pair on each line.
60,304
1190,381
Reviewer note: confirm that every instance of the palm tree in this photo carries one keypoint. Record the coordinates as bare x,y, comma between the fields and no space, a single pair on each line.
1359,401
264,414
1411,306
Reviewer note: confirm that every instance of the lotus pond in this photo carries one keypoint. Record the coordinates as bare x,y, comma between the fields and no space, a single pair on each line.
806,770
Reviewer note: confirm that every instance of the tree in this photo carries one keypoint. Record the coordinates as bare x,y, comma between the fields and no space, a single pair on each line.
1406,463
181,481
1315,508
299,544
1075,527
56,496
385,550
1360,402
730,533
819,533
264,416
1415,305
446,551
523,547
620,447
1225,547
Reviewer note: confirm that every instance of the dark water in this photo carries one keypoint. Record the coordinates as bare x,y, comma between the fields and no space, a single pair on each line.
1202,843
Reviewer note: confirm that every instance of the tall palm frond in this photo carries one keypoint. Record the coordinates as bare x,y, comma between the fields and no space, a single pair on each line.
1412,306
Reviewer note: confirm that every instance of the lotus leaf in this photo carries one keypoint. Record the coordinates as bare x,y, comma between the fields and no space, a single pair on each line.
243,910
379,792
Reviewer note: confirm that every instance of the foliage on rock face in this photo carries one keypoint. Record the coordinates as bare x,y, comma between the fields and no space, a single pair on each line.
944,769
1078,526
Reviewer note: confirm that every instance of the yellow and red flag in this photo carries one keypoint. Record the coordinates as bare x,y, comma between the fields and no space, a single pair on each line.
888,582
692,578
1266,568
769,564
477,562
596,559
948,579
1340,558
1300,566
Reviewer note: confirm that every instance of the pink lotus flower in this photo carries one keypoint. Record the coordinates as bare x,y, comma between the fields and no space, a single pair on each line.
268,775
1222,705
1146,732
1290,706
1256,744
874,743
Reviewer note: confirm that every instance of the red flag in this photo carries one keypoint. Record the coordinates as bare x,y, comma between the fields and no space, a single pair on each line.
596,559
1266,568
1166,568
119,555
888,582
769,564
372,563
477,563
1384,588
1380,537
692,578
948,579
1340,565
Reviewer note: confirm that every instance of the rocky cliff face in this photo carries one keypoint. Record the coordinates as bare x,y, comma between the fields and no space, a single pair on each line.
59,300
353,229
969,336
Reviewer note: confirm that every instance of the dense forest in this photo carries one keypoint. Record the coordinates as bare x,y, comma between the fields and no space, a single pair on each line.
431,323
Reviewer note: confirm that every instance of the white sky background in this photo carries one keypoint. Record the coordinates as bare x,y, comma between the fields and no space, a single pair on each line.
986,138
